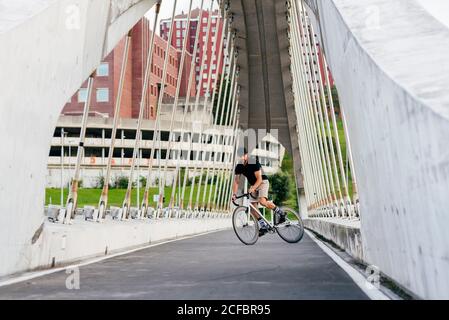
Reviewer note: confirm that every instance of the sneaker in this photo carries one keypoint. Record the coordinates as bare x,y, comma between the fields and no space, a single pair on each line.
279,216
262,232
263,228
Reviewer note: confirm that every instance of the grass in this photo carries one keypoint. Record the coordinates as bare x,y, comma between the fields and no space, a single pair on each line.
90,197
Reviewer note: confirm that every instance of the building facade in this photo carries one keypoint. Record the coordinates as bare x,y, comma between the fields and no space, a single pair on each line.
98,138
106,80
199,19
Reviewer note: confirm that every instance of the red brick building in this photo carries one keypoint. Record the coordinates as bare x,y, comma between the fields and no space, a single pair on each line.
180,30
106,81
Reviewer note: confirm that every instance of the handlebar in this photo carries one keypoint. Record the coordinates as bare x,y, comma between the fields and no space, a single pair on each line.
240,197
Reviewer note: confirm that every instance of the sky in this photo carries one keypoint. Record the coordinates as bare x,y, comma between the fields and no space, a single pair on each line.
182,5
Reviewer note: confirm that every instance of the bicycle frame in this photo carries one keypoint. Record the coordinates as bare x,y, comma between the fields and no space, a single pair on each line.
251,207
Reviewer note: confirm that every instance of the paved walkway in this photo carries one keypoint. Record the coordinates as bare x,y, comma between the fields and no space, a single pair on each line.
213,266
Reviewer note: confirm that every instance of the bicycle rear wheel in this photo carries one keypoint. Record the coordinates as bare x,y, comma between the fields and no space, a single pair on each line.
245,226
292,230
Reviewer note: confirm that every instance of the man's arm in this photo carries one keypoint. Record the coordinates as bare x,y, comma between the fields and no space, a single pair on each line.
259,181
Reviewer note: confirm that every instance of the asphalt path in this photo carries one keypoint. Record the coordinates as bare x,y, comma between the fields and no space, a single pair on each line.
212,266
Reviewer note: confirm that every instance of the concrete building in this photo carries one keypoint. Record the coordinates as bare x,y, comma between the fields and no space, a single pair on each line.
180,31
106,80
98,135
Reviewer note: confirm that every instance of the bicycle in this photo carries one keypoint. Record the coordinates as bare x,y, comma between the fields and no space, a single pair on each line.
246,226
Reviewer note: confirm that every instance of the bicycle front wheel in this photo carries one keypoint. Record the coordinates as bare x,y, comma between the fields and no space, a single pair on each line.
245,226
292,230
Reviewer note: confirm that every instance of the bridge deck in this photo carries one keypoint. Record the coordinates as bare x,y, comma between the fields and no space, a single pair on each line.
212,266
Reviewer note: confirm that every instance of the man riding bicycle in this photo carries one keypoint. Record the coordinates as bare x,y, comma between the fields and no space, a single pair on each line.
251,168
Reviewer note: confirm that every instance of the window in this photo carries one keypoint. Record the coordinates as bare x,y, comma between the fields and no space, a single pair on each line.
82,95
214,66
103,70
178,43
178,24
103,95
178,33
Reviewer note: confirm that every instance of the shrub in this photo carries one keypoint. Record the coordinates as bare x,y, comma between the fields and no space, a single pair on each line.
143,181
121,182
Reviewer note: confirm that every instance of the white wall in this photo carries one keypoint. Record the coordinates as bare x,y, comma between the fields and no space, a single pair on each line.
91,176
65,244
390,63
43,61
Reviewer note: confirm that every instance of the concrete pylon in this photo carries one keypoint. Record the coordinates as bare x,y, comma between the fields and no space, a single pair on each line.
49,48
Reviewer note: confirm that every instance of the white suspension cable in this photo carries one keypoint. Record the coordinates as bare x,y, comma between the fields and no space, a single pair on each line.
216,137
214,57
127,200
175,104
184,119
103,202
210,163
72,199
204,113
144,206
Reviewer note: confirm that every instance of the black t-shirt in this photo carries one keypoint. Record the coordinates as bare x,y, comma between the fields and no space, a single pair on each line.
249,171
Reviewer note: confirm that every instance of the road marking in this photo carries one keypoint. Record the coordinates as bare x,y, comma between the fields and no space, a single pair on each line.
370,290
38,274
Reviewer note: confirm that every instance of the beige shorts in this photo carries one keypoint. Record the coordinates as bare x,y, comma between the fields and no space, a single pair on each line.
261,192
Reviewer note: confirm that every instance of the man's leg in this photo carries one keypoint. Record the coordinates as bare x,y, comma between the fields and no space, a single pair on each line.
279,215
263,226
267,204
277,211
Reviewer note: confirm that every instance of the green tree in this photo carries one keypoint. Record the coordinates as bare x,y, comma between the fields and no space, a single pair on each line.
280,187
